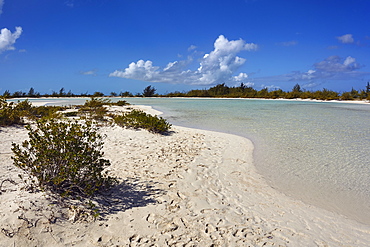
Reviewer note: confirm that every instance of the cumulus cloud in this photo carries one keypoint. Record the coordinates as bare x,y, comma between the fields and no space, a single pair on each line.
346,39
241,77
7,38
218,66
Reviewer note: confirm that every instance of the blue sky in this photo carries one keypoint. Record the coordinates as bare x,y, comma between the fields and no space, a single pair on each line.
119,45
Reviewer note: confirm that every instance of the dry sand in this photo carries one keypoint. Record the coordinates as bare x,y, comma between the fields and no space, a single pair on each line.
189,188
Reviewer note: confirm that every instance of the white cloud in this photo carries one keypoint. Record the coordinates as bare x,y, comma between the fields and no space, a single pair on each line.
216,67
142,69
330,69
333,67
310,85
350,60
192,47
337,64
7,38
346,39
249,84
270,87
89,72
241,77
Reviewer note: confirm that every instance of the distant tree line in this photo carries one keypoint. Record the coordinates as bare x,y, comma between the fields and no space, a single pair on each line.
61,93
218,91
243,91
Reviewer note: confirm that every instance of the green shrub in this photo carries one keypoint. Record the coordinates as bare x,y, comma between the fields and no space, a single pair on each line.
121,103
64,157
45,112
24,107
96,102
94,108
70,114
9,115
139,119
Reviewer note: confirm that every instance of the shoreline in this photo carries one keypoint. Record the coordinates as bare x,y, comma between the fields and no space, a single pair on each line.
330,207
361,102
193,187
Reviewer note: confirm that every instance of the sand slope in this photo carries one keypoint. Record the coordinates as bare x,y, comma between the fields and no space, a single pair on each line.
190,188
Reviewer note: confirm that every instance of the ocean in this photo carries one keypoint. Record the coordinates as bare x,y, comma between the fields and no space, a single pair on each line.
317,152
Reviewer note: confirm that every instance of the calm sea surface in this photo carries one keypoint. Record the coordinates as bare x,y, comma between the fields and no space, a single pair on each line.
318,152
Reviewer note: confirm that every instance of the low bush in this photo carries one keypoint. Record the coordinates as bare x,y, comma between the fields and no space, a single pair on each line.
121,103
64,157
96,102
70,114
9,115
94,109
139,119
48,112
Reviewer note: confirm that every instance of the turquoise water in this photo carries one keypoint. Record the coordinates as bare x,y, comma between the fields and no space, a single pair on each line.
317,152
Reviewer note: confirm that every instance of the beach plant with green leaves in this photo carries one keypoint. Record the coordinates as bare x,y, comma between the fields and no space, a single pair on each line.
121,103
138,119
95,109
26,109
64,158
9,115
14,113
47,112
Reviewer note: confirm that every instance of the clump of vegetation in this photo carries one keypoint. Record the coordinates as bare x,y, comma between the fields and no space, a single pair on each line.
149,91
9,115
94,108
70,114
64,157
14,113
121,103
45,112
96,102
26,109
139,119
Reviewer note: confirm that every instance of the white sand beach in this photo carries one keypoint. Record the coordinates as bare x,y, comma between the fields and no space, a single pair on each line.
189,188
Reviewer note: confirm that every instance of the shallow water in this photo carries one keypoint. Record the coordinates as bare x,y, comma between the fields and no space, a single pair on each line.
317,152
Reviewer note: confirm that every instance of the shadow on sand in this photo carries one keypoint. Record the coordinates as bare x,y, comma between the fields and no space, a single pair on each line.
128,194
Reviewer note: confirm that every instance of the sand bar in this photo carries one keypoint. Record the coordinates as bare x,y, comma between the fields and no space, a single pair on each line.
190,188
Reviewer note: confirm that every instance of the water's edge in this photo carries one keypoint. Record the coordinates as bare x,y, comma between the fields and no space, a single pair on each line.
301,148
